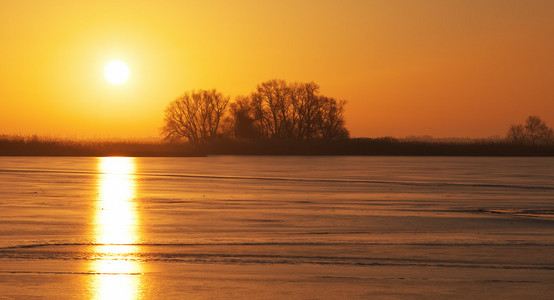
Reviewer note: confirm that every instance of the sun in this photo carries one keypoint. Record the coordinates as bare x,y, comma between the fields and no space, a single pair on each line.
116,72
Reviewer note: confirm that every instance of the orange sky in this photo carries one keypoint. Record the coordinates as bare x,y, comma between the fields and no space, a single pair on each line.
453,68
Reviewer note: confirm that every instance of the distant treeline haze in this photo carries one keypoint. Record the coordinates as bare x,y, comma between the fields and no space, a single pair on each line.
37,146
276,109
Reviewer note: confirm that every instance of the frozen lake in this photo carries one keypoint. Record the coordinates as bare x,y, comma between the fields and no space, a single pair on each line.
276,227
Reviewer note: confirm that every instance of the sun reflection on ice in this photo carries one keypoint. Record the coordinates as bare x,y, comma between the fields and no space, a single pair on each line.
115,226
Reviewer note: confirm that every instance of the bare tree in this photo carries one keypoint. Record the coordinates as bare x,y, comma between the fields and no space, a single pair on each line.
296,110
242,118
332,123
195,115
533,132
309,110
536,131
516,134
276,109
272,105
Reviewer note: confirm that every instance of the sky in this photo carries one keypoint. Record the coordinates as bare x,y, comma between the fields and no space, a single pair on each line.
457,68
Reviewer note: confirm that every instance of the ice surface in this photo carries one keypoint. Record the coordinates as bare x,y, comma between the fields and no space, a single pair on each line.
276,227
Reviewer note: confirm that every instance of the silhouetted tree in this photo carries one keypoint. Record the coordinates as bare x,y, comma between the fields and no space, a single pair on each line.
276,109
534,132
296,110
195,115
332,123
537,131
242,119
272,108
309,108
516,134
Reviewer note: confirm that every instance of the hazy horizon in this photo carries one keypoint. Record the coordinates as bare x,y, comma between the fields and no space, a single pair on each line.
160,138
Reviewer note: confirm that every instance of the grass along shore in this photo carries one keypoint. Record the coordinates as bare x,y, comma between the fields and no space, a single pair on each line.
11,145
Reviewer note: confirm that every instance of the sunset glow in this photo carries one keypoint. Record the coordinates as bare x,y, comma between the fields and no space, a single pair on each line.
440,68
246,149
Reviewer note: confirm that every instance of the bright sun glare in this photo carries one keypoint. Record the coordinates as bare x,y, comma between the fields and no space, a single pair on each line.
116,72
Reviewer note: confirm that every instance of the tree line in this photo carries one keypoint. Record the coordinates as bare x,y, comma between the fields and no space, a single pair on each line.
281,110
275,110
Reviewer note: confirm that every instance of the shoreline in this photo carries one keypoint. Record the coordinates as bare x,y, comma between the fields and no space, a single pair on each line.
19,146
